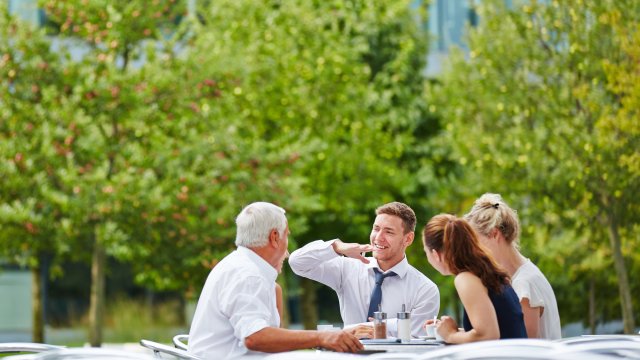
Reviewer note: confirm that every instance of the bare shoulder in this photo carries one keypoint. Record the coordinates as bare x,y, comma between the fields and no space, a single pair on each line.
466,276
468,280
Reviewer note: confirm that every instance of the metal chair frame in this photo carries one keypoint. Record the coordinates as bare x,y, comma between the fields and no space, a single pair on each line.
13,347
180,341
166,349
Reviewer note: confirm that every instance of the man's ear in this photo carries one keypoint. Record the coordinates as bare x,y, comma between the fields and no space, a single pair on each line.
274,237
410,236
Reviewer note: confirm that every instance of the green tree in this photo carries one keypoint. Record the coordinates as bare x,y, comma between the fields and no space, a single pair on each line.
113,152
27,69
74,155
145,144
109,150
337,85
544,110
111,142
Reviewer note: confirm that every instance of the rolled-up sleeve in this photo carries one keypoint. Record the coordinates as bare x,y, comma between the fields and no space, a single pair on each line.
527,290
318,261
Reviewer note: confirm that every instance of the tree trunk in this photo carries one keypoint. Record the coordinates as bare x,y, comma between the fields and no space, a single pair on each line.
150,302
37,324
96,306
309,304
621,272
286,319
182,311
285,303
592,306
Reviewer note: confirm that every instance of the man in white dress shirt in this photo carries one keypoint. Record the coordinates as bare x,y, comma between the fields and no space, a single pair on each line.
342,267
236,315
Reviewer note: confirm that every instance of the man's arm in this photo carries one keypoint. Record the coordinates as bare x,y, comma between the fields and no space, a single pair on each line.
426,307
272,339
352,250
319,261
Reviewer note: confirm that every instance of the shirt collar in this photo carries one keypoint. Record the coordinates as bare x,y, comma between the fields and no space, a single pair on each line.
400,268
266,269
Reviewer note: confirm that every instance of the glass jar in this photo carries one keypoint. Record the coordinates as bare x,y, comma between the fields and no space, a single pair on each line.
404,325
379,325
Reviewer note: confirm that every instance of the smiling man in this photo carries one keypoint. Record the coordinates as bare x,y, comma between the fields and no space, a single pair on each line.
386,279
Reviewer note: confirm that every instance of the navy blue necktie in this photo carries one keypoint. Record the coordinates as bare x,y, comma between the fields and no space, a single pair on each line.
376,294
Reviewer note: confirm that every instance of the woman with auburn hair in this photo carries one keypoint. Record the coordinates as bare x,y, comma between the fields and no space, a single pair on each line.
491,307
499,230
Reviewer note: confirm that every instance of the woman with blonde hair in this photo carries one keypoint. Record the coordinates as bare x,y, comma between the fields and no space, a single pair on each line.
491,307
499,230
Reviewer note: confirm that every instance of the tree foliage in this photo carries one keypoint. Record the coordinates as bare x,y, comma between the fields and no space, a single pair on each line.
335,85
105,152
543,110
137,131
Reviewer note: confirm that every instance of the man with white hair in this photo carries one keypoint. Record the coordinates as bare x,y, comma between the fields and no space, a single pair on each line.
236,314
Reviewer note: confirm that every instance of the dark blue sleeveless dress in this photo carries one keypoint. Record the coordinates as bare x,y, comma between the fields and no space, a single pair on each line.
509,312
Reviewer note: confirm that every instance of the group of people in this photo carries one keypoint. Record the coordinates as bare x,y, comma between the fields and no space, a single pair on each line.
504,295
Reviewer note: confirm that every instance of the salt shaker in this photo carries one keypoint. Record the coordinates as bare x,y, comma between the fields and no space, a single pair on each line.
404,325
379,324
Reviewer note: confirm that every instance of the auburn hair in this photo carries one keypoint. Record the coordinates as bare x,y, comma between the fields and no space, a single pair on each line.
458,243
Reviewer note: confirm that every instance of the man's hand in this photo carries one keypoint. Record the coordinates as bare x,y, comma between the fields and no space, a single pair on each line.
361,331
352,250
341,341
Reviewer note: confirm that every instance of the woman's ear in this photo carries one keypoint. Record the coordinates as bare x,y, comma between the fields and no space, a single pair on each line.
437,254
495,234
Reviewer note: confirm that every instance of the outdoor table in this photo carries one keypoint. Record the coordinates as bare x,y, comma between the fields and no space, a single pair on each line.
374,348
415,346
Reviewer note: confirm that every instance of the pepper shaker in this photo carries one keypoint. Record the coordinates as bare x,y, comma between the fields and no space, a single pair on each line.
379,324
